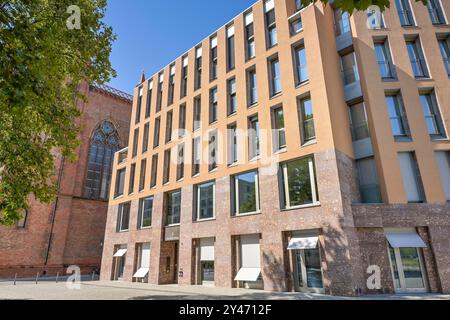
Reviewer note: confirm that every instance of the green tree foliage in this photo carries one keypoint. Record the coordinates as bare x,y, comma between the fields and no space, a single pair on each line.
351,5
42,61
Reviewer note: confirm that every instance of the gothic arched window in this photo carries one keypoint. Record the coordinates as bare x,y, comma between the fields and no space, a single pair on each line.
104,143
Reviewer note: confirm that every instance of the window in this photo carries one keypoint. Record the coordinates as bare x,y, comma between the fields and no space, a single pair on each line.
249,37
171,85
232,144
432,114
253,137
145,139
149,99
173,207
296,25
156,132
271,27
298,5
196,151
444,45
166,169
404,12
132,177
154,171
213,105
160,92
120,182
275,76
230,48
279,130
205,201
182,121
232,99
301,67
212,150
103,145
417,58
369,188
184,77
443,160
197,113
384,59
436,12
397,115
375,19
145,213
213,59
341,22
307,119
142,175
246,193
349,68
252,87
123,217
139,105
412,181
358,122
169,119
198,68
180,162
299,183
135,142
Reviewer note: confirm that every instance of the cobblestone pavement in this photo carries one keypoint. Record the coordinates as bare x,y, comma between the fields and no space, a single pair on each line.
98,290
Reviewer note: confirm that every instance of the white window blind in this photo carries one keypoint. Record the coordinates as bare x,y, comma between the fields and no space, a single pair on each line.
150,85
269,5
161,77
249,18
141,91
185,61
198,52
207,249
230,31
172,70
145,255
213,42
250,255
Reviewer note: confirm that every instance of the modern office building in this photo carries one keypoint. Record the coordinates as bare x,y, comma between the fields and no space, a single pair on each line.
70,231
294,149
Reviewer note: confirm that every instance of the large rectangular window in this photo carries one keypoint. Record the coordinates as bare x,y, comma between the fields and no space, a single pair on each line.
397,116
230,48
198,68
271,26
369,188
212,150
205,201
170,96
404,12
156,132
279,131
253,137
349,68
135,142
148,107
301,74
384,59
436,13
275,76
182,120
139,105
232,144
306,116
444,45
432,115
142,175
249,36
160,92
213,105
443,160
213,59
246,193
145,138
123,217
299,183
145,213
196,151
173,207
358,122
232,99
197,113
169,120
132,177
184,77
417,58
180,162
120,183
341,22
252,87
412,181
154,176
166,168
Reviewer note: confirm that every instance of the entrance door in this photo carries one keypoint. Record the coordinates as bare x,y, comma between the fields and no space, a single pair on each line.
120,267
407,269
206,258
308,272
207,273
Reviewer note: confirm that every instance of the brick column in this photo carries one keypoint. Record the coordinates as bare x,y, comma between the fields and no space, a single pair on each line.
440,244
157,234
185,248
108,244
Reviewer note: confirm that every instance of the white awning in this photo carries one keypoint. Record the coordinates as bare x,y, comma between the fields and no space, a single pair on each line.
409,239
141,273
300,243
120,253
248,274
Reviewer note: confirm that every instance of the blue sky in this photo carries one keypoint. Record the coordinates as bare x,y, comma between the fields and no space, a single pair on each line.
152,33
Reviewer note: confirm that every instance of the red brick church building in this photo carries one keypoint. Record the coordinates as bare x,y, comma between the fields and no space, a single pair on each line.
70,231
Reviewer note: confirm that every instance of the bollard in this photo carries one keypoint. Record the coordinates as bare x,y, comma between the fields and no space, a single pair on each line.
37,277
15,278
57,276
